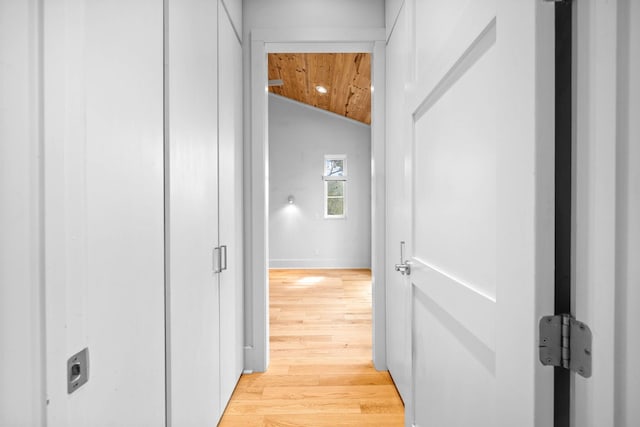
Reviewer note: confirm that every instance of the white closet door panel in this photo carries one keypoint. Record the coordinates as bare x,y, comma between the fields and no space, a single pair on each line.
193,212
230,197
104,210
124,199
21,323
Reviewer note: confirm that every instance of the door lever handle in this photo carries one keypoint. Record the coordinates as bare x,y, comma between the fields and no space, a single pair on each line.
405,266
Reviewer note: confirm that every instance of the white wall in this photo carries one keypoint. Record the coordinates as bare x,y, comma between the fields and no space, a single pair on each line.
21,358
313,14
628,217
299,234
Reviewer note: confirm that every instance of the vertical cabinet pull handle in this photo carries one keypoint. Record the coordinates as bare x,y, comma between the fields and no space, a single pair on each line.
224,257
217,261
220,259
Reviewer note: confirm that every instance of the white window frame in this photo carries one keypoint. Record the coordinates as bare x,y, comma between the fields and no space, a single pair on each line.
342,178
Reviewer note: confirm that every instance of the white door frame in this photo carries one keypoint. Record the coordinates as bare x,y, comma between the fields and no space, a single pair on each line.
257,162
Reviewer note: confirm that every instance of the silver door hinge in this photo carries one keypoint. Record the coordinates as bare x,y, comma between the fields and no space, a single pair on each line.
566,343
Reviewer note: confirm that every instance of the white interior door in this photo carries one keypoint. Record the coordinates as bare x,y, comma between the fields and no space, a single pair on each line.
193,312
482,212
104,211
230,201
398,194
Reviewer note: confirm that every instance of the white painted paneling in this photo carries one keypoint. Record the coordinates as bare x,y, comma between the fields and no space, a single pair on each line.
437,23
104,210
230,207
234,11
391,13
192,111
455,176
398,209
460,369
299,138
470,308
21,333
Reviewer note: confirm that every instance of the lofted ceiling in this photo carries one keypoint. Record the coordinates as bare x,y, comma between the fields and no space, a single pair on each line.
346,76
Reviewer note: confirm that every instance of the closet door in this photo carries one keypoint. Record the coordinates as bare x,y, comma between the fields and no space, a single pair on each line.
193,292
103,209
230,197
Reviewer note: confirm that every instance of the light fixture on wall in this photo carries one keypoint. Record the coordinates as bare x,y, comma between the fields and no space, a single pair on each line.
290,200
321,89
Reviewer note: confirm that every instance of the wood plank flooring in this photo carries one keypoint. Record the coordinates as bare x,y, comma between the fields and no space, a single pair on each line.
321,372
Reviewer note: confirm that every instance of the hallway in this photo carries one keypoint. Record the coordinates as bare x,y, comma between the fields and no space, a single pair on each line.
321,372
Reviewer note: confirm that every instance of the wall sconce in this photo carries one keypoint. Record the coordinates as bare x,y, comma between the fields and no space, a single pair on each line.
290,200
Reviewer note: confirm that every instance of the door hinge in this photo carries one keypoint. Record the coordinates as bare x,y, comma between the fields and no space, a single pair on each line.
566,343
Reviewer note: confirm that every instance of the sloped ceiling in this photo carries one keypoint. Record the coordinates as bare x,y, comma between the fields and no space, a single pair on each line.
346,76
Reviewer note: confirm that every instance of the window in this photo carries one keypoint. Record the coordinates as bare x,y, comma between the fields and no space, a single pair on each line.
335,183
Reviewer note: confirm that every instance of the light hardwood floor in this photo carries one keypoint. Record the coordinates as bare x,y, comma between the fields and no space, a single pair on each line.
321,372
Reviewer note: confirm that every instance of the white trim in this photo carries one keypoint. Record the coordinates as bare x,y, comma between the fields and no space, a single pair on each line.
256,210
319,37
595,191
378,205
313,47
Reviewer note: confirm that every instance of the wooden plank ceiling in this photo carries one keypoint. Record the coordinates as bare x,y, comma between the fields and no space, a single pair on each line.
346,76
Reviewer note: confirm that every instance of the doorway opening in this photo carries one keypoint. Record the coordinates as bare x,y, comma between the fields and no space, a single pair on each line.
319,116
257,206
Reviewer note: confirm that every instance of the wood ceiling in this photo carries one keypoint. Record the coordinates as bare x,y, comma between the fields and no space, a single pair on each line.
346,76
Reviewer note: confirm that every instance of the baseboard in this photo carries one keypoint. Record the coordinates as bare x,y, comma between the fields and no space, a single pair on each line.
325,263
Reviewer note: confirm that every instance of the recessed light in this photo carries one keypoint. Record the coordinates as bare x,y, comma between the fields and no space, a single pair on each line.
321,89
